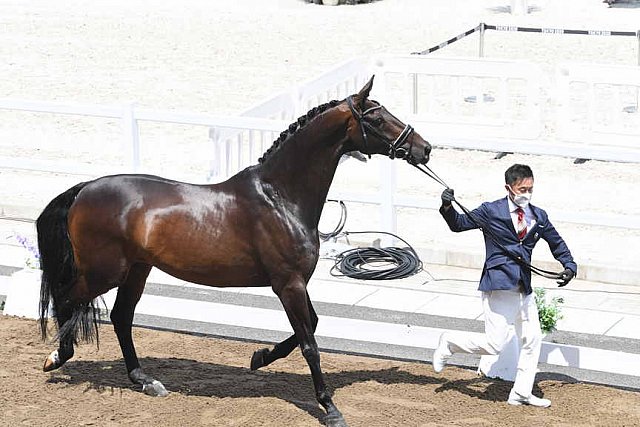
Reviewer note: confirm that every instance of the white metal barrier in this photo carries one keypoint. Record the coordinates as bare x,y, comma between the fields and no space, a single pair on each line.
599,105
462,98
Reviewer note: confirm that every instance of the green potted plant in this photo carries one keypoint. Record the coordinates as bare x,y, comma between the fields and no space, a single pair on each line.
549,312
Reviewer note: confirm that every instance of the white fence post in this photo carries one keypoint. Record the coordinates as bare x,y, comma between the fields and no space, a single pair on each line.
131,135
481,48
414,94
519,7
638,37
215,164
388,217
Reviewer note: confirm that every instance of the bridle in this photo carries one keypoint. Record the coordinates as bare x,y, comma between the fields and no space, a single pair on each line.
395,147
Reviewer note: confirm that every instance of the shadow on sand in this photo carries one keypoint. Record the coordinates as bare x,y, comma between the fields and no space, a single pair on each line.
194,378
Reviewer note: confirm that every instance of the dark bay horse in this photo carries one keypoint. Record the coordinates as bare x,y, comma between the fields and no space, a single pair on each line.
259,228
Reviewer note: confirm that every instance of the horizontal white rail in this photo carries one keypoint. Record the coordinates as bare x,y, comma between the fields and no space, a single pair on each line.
129,115
88,110
233,122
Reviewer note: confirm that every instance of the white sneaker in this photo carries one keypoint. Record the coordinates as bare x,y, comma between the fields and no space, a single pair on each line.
517,399
441,354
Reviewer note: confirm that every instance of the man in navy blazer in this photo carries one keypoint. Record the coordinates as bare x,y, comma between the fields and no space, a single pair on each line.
505,284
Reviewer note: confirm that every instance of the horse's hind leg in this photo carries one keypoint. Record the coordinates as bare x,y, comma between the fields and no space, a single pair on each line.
129,294
264,356
294,299
58,357
76,318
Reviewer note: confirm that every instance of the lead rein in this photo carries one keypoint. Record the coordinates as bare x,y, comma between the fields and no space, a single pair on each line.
487,230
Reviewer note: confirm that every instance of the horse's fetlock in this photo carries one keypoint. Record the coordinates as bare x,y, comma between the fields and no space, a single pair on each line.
65,353
324,397
137,376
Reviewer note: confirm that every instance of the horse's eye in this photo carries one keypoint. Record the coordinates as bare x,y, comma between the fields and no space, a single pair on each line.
378,121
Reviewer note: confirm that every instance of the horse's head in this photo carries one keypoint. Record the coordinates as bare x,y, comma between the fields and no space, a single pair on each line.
374,130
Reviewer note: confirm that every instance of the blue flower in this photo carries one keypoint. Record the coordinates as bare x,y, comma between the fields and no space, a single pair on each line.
32,259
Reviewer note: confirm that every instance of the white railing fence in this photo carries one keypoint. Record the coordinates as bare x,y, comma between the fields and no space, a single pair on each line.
598,104
254,129
463,98
464,103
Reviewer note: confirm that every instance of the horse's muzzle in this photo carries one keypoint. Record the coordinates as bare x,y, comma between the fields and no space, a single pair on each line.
427,154
423,159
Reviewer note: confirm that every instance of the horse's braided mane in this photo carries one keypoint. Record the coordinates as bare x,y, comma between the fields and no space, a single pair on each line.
295,126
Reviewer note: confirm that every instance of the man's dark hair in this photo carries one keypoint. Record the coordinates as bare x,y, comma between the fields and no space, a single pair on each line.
516,173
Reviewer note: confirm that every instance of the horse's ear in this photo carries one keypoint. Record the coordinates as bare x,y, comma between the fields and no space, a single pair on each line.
364,92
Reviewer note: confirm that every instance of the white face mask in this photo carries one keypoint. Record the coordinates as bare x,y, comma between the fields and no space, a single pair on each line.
522,200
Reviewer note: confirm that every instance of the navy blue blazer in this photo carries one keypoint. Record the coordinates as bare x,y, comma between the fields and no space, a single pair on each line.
500,271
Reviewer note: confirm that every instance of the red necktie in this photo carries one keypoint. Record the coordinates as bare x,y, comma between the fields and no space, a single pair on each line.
522,225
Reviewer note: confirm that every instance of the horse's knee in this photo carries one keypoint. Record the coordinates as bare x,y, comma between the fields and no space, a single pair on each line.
311,354
309,351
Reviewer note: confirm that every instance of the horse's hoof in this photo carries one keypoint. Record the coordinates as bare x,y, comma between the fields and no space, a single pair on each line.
155,388
257,360
52,362
335,420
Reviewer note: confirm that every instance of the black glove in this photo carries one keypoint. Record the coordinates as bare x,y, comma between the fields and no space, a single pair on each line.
447,197
566,277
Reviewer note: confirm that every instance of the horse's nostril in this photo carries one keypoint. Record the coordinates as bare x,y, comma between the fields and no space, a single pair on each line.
427,151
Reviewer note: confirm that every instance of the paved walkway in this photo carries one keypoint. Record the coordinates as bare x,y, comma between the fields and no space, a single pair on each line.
400,318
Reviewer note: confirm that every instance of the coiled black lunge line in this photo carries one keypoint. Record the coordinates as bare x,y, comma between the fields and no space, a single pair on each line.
371,263
343,219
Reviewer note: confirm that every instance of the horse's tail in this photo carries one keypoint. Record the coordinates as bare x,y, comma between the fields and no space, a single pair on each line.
59,272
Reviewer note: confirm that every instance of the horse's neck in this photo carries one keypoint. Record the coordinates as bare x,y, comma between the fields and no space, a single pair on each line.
302,169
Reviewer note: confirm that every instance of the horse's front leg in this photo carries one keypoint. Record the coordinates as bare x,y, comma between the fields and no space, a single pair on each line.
122,318
293,296
264,356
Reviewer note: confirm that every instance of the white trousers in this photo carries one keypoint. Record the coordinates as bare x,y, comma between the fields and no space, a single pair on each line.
502,309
